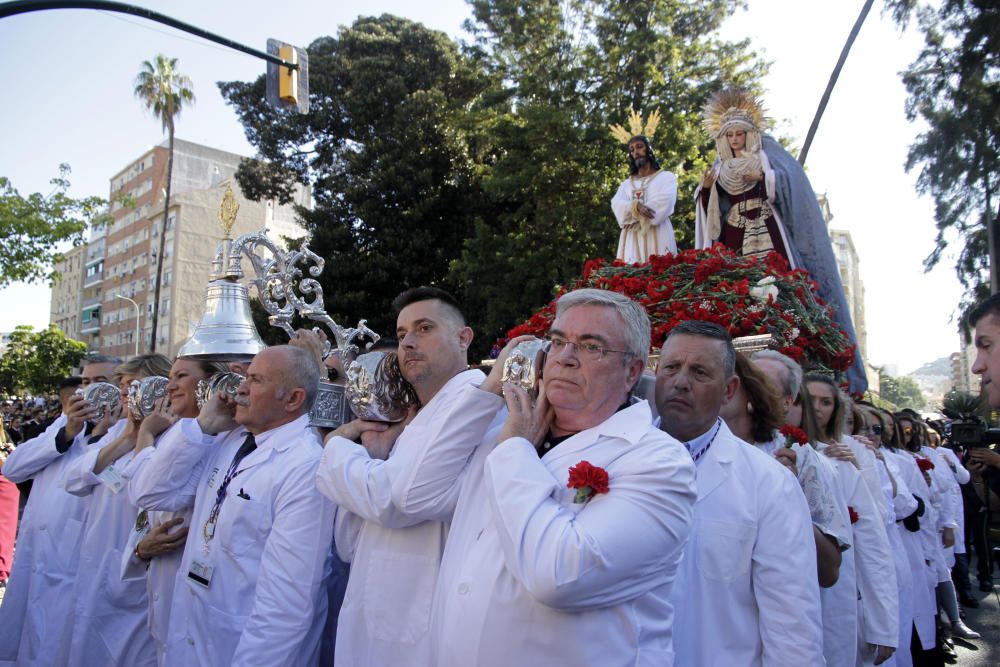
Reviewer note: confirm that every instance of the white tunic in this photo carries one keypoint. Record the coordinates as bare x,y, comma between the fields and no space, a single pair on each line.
840,601
161,571
34,610
658,192
531,578
265,603
962,476
924,602
877,594
903,504
394,556
747,591
109,612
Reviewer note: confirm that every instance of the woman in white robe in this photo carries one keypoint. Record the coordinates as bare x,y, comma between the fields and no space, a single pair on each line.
156,544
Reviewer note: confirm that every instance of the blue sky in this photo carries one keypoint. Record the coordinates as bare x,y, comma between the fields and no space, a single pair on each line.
67,81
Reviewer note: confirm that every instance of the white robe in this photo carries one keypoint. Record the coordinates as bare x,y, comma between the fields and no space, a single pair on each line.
924,602
818,481
747,591
873,591
266,600
704,239
903,504
109,613
35,608
877,585
653,237
531,578
161,571
394,556
840,601
962,476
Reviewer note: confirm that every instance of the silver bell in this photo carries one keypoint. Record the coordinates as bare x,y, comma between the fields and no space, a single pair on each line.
226,331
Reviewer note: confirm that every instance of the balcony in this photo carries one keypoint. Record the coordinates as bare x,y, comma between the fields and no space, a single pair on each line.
96,279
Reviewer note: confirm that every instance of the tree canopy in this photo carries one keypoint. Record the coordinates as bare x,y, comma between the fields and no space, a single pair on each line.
34,361
954,86
35,227
388,154
904,392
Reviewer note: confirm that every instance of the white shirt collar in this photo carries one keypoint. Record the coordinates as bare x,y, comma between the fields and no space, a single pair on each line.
698,446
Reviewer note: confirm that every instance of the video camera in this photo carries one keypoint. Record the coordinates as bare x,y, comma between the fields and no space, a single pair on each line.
965,430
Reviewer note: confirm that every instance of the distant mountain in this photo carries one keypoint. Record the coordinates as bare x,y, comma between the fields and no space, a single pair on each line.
940,366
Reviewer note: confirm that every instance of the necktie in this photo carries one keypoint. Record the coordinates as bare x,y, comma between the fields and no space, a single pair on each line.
248,446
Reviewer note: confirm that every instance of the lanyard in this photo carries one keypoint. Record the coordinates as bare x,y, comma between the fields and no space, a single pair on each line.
208,531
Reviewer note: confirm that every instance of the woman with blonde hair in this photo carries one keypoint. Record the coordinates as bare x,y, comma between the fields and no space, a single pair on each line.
156,545
878,606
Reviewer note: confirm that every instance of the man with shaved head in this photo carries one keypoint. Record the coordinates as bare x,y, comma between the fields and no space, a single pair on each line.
368,470
250,586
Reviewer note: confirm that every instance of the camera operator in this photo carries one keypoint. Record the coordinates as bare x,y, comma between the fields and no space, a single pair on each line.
985,318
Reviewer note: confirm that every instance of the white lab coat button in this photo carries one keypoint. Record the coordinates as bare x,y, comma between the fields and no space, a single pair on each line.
463,589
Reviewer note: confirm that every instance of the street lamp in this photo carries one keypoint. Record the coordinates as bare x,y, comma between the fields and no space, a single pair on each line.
137,318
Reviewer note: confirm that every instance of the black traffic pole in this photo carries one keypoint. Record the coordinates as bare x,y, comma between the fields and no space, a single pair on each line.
26,6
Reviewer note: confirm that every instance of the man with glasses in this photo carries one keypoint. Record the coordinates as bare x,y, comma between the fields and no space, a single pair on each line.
571,514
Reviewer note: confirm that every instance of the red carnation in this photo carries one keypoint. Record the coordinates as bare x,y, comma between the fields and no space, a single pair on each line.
854,515
925,465
794,435
587,479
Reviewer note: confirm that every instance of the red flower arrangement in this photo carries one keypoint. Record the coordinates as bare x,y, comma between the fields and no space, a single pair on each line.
794,435
715,285
588,480
854,515
925,465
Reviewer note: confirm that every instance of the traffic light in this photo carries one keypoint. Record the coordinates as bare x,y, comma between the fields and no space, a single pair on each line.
288,88
288,78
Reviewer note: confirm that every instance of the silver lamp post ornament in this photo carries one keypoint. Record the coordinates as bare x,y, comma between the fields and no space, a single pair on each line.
286,284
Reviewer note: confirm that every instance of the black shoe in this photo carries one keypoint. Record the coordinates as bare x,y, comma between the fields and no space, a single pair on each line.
986,586
948,653
968,601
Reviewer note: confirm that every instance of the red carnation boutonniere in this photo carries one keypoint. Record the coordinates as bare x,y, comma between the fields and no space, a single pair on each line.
794,436
925,465
587,479
853,514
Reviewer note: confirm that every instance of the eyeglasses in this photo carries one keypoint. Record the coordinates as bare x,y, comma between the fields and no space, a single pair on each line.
587,351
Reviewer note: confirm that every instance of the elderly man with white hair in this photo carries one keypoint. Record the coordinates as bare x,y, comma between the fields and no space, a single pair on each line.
250,586
570,516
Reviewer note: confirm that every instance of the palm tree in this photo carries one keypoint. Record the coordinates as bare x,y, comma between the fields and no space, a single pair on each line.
164,91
